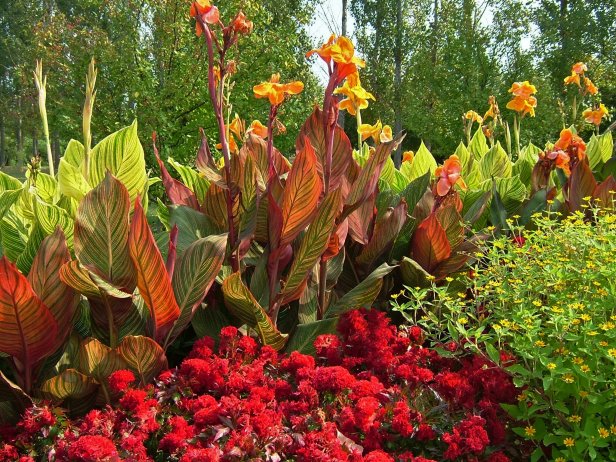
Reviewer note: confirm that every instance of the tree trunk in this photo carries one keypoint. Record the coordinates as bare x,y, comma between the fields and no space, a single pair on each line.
398,81
2,142
18,130
341,114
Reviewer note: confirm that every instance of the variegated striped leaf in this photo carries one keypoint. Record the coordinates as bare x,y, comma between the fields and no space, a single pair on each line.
301,194
27,327
313,245
194,273
243,305
101,234
144,356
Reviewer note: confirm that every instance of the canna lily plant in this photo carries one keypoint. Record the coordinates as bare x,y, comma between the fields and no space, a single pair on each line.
318,236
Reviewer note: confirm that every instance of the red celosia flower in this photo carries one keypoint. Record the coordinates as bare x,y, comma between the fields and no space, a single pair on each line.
120,380
378,456
93,448
519,241
201,455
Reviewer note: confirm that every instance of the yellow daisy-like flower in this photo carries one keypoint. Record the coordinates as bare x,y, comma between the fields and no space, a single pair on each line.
530,431
569,442
568,378
603,432
551,366
574,419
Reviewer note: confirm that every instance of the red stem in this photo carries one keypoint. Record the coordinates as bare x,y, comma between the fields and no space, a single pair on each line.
217,104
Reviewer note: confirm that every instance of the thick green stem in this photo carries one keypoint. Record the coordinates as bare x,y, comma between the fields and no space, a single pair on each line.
359,140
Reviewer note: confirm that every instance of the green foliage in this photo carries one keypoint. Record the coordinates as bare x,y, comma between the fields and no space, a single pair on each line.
545,300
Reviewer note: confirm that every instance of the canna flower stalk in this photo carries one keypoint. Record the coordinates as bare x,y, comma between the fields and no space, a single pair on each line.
87,116
588,88
523,103
207,15
338,54
41,85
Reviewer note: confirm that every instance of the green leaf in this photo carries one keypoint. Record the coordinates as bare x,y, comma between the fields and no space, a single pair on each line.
8,183
512,192
194,274
304,336
69,384
97,360
144,356
191,178
363,295
478,145
71,182
422,163
599,149
413,275
122,155
495,164
243,305
192,225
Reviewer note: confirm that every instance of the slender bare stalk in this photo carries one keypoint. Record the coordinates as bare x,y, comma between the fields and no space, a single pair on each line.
41,85
87,116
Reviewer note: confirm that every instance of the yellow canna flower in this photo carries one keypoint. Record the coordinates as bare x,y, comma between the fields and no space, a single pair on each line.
356,96
473,116
408,156
276,91
579,68
595,116
370,131
574,78
386,134
341,51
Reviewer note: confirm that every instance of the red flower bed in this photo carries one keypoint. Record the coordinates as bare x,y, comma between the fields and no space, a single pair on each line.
374,394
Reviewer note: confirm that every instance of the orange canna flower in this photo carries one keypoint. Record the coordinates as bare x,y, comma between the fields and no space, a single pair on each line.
206,11
386,134
449,175
233,147
237,127
574,78
408,156
571,143
473,116
341,51
523,102
356,96
595,116
241,25
370,131
591,88
493,111
523,105
579,68
522,89
258,129
275,91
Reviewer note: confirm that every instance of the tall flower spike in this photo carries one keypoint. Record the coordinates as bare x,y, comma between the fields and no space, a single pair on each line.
276,91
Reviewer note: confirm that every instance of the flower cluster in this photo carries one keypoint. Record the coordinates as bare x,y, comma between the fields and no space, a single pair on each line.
523,101
374,394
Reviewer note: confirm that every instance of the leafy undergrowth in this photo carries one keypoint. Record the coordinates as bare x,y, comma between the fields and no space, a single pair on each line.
373,394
